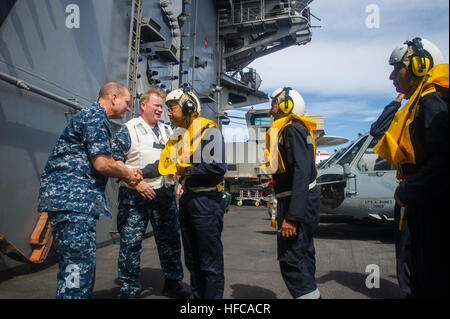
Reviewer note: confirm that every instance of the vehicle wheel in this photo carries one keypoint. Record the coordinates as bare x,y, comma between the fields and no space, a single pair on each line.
239,203
257,203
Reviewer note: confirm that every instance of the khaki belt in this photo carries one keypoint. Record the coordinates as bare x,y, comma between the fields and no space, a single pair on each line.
289,193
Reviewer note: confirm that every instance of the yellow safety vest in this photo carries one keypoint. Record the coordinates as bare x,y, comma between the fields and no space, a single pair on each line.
396,146
276,166
182,145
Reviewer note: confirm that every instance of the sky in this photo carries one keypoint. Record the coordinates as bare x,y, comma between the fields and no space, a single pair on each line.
343,72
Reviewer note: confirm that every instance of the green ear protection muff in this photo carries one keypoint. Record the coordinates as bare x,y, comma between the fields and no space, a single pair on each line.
287,104
419,63
188,106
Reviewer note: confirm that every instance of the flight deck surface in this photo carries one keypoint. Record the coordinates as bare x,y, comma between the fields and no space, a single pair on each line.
345,250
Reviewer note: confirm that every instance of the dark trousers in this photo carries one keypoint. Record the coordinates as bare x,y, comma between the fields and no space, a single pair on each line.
201,221
428,225
297,255
402,249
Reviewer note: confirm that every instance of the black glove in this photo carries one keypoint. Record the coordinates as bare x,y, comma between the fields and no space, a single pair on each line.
151,170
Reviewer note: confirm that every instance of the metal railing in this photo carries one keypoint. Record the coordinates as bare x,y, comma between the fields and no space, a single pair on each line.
259,10
245,76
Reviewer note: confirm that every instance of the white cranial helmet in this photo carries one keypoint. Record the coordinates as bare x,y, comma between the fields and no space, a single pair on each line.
399,54
188,101
289,101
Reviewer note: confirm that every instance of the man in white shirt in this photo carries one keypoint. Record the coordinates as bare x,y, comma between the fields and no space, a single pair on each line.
139,143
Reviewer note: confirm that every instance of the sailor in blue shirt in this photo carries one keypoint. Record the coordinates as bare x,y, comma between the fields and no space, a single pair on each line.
73,185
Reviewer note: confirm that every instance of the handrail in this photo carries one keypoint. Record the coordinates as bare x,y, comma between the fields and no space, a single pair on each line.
253,11
32,88
246,76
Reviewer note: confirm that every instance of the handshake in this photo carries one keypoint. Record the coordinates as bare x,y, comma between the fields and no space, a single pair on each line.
134,177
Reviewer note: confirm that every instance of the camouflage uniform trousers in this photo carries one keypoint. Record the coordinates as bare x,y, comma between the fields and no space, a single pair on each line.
132,221
75,242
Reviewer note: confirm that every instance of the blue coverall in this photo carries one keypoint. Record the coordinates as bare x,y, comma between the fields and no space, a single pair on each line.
296,255
201,220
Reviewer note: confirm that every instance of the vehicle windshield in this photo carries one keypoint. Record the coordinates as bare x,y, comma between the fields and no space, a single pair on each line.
332,158
337,156
351,153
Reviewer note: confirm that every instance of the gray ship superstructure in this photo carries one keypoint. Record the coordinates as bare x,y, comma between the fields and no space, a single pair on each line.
56,54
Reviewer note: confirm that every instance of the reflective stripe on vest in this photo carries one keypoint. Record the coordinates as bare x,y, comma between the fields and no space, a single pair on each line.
289,193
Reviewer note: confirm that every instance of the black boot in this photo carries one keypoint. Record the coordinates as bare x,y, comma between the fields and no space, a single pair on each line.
173,289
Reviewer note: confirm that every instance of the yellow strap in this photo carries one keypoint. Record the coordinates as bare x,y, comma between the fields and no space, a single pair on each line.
279,125
273,223
396,146
169,160
428,90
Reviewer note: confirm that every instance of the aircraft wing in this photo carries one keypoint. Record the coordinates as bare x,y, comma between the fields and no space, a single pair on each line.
331,140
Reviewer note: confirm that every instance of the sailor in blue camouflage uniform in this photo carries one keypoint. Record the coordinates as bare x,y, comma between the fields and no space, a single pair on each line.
139,143
73,184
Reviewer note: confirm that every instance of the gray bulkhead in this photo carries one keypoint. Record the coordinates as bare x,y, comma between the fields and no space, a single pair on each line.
183,52
38,47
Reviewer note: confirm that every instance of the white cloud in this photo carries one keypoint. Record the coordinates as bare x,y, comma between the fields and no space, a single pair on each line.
368,119
399,18
343,73
327,69
347,107
344,57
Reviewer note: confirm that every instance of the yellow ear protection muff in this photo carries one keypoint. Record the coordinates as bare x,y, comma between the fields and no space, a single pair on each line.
189,105
287,104
419,62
